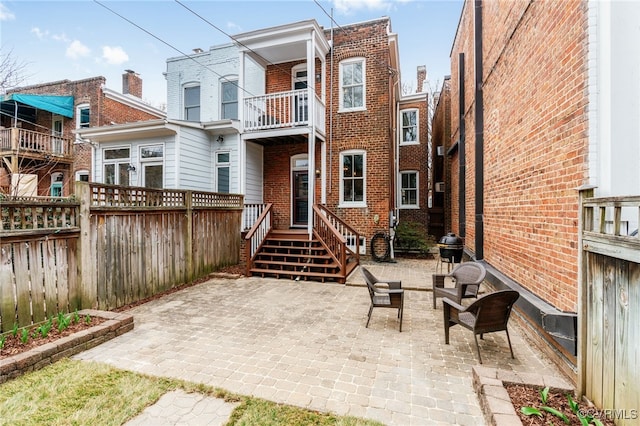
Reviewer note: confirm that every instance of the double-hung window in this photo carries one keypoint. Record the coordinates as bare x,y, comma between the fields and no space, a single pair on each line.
409,189
192,103
352,84
229,100
353,179
83,116
409,127
116,166
223,167
151,163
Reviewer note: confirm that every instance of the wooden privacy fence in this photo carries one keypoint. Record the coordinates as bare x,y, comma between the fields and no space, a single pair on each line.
109,246
609,298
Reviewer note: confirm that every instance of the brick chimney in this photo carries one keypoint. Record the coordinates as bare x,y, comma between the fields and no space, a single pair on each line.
131,84
422,77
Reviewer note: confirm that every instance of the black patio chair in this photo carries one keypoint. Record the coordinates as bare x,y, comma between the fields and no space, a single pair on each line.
384,294
488,314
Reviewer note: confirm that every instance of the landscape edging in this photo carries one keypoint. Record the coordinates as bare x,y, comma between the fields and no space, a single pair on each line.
41,356
494,399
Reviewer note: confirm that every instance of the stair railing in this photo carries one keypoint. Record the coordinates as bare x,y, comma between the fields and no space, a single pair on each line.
335,234
256,236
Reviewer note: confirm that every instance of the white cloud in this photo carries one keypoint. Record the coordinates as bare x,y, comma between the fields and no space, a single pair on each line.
6,14
39,33
233,26
60,37
349,6
77,50
114,55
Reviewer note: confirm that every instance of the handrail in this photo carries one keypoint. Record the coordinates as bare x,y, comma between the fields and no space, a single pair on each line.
256,236
349,233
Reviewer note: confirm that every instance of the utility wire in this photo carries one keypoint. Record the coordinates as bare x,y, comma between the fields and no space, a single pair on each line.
286,71
173,47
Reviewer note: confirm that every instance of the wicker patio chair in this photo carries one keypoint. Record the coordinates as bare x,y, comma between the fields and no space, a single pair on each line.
390,295
488,314
467,277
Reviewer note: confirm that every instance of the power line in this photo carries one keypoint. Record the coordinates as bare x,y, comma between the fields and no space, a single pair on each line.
235,83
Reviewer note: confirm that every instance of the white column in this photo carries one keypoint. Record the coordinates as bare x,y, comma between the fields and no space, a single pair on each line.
311,101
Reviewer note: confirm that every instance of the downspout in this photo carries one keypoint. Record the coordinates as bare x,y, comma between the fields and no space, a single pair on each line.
479,107
461,149
331,108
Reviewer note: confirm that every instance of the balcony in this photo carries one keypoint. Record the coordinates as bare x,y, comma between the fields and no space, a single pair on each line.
35,145
283,110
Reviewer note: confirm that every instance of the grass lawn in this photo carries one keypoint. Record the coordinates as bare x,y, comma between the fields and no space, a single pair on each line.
86,393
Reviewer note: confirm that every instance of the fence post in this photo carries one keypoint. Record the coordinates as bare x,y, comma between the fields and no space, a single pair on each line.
190,245
87,272
584,192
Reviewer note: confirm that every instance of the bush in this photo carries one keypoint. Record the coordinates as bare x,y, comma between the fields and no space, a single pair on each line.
413,237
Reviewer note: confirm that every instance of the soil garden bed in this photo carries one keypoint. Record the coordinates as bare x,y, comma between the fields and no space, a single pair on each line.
503,393
91,328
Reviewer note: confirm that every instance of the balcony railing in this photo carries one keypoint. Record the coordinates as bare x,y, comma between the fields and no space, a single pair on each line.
282,110
17,140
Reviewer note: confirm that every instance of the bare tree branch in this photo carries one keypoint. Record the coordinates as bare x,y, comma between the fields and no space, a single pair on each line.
12,71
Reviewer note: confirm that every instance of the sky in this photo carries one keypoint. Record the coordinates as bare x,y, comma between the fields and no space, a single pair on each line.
74,40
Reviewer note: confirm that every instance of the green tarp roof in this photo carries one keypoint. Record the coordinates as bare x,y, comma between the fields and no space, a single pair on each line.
62,105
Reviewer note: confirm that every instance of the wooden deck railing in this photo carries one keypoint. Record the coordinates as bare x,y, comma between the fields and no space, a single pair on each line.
256,236
17,140
351,236
251,214
282,110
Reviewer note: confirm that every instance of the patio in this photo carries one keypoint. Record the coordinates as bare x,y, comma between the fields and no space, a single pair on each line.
305,343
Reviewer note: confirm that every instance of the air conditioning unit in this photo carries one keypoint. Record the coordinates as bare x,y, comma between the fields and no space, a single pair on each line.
351,243
440,150
439,186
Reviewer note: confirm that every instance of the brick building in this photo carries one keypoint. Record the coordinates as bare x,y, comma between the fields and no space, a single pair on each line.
538,128
44,118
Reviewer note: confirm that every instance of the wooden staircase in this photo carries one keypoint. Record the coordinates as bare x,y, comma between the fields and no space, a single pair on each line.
290,254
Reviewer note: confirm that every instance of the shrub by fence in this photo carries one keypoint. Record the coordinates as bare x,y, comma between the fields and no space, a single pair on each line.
109,246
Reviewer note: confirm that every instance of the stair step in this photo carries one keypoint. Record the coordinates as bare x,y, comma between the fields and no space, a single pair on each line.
297,264
294,274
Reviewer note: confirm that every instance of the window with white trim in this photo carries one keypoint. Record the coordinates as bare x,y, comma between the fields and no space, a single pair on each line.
229,99
151,163
83,116
409,127
409,189
82,175
192,103
353,179
223,169
116,166
352,84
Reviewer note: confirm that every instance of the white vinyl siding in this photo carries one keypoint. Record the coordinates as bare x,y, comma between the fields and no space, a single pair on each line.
254,184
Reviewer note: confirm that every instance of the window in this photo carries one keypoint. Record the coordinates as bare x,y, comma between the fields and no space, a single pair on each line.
116,166
409,189
222,172
409,127
83,116
353,181
229,107
82,175
151,164
192,103
352,84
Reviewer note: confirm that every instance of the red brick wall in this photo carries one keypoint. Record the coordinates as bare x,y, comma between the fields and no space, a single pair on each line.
103,111
535,139
369,130
415,157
